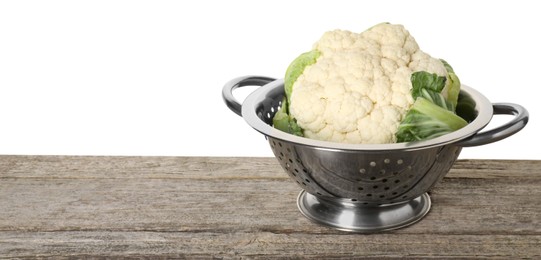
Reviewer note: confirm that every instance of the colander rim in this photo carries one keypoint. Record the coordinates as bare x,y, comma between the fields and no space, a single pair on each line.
253,101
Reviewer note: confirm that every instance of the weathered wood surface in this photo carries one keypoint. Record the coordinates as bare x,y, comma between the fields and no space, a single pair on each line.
197,207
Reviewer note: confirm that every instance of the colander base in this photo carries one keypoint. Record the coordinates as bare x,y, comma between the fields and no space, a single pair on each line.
356,217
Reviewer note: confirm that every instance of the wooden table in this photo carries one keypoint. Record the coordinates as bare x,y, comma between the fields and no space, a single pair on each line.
204,207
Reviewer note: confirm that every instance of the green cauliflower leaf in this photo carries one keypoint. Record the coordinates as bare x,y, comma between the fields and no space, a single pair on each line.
432,114
282,120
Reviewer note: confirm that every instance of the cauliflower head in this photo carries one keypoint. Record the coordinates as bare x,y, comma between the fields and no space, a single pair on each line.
357,87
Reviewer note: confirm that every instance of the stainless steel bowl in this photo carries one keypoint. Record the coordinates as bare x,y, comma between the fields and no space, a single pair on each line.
365,187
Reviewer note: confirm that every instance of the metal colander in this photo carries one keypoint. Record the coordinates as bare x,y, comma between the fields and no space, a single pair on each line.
359,187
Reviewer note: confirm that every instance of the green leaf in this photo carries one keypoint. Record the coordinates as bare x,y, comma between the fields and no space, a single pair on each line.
296,68
433,113
426,120
424,80
437,98
447,66
452,90
284,122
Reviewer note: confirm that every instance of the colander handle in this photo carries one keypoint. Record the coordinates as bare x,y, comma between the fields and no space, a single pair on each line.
519,121
227,91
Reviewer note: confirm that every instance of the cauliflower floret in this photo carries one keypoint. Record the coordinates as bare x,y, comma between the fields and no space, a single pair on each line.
358,90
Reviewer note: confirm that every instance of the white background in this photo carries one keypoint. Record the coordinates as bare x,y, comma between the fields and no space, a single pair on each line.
145,77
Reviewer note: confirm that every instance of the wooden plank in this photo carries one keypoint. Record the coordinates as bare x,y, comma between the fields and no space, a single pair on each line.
524,169
245,207
264,244
92,167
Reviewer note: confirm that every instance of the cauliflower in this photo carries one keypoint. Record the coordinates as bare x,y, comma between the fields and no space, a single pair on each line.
371,87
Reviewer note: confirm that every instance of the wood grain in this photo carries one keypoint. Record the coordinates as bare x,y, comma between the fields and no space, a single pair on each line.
219,207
